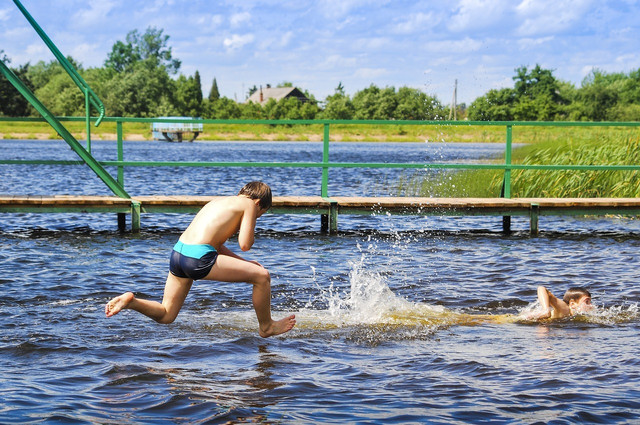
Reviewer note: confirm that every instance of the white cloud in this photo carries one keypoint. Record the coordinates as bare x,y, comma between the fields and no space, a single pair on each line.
209,22
337,9
337,62
416,23
96,13
4,14
477,14
370,73
530,43
238,19
85,53
550,16
465,45
238,41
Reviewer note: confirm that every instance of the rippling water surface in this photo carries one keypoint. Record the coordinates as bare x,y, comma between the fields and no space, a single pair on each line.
400,319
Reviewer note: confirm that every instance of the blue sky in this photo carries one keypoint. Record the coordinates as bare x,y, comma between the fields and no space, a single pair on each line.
318,44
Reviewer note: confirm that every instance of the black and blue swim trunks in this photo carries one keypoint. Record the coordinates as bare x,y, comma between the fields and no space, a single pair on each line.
192,261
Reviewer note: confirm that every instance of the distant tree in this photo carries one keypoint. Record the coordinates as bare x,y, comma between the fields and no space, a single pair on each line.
146,91
496,105
222,108
251,111
198,83
188,96
338,106
150,46
13,104
252,90
214,93
537,95
413,104
598,94
365,103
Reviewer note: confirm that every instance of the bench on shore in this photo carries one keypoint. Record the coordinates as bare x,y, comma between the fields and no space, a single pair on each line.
330,207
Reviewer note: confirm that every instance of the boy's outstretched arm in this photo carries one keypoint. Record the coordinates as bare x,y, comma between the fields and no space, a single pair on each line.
544,299
547,300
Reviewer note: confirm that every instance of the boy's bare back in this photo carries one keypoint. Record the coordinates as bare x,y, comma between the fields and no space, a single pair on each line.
220,219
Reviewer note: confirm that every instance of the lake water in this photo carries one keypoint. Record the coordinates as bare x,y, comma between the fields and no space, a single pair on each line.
400,319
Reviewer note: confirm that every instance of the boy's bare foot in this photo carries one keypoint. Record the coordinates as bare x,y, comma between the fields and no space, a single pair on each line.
114,306
278,327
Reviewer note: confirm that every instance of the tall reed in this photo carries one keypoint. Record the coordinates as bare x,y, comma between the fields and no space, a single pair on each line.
613,148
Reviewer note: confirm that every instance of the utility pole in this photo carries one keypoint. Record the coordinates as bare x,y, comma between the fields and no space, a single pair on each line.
453,111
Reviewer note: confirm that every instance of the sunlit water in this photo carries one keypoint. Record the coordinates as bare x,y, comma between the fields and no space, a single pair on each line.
400,319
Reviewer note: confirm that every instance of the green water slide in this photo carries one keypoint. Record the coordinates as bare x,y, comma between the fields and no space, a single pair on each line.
91,100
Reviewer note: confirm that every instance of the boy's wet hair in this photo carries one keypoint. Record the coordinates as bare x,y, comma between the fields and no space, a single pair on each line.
258,190
574,294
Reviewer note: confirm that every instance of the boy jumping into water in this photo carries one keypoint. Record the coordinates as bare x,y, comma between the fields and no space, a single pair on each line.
200,254
575,300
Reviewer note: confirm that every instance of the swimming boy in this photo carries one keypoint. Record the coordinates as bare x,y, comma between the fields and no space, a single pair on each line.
200,254
575,300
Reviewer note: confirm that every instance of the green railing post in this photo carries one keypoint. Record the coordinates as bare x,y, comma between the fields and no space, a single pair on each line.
324,191
120,152
507,161
506,182
122,220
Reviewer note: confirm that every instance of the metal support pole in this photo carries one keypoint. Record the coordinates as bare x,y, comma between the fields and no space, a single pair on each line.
87,106
122,222
506,224
506,183
324,190
507,161
333,217
120,152
135,216
534,214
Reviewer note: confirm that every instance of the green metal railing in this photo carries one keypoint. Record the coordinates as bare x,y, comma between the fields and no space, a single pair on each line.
91,99
326,164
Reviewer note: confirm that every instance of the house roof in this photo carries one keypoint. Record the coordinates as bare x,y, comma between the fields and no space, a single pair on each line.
262,95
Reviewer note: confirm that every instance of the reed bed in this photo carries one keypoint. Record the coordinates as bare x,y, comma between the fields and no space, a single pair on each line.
614,147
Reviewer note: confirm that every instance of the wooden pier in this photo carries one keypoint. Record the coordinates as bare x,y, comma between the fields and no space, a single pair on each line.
330,208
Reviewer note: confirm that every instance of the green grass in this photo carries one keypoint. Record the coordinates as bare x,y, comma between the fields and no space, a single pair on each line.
564,146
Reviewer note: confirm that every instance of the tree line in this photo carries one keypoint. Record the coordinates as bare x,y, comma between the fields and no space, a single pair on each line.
140,78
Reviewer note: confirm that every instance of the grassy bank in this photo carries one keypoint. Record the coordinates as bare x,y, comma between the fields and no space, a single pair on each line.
599,147
338,132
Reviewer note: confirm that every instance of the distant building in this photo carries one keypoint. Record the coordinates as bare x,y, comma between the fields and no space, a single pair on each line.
261,95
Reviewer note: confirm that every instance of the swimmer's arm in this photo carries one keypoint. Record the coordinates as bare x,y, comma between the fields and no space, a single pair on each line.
547,300
544,300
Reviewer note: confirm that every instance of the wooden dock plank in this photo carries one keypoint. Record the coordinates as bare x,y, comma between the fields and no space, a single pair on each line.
329,208
318,201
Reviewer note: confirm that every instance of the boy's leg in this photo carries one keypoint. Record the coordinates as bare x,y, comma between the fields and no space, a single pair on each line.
230,269
175,292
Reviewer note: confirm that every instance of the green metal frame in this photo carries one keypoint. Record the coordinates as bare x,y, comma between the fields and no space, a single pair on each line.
325,164
91,99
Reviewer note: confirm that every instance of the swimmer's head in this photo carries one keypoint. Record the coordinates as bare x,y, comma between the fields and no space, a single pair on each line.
578,300
260,191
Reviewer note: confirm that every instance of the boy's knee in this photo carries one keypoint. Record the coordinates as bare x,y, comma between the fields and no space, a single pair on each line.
263,277
167,319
